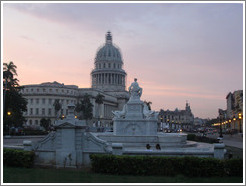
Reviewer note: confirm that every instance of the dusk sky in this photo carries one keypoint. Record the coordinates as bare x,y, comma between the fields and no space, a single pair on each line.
178,51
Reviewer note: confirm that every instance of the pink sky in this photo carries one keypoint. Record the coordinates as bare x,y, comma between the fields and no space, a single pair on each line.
178,52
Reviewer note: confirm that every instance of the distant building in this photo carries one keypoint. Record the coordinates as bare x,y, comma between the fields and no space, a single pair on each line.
234,110
108,79
199,122
177,119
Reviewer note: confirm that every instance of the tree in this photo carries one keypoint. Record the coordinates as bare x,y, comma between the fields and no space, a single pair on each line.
57,105
85,106
45,123
148,103
99,101
14,104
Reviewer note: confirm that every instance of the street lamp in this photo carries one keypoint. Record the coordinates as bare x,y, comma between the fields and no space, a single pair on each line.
240,126
161,123
9,114
221,136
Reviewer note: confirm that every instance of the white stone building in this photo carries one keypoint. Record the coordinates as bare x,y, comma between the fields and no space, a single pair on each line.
108,79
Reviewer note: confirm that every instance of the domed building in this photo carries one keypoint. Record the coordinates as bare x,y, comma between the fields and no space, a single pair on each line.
108,79
108,74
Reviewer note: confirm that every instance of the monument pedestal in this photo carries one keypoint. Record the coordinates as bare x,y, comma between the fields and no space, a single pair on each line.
133,127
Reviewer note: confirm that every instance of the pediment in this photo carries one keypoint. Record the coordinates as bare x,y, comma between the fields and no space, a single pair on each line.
66,125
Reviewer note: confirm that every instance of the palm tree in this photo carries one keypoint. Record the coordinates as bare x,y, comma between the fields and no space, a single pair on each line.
9,70
84,107
57,105
99,101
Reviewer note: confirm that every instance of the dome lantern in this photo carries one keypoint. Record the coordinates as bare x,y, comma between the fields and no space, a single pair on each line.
108,38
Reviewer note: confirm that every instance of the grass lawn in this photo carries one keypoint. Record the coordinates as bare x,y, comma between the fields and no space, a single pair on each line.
38,175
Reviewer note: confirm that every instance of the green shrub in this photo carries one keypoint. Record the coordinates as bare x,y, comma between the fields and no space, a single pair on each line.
165,166
193,137
34,132
234,167
18,158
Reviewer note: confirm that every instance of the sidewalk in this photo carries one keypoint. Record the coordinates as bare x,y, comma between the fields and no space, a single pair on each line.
235,140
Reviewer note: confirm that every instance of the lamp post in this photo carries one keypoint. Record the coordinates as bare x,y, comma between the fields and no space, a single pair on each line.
161,123
221,136
9,114
234,121
240,119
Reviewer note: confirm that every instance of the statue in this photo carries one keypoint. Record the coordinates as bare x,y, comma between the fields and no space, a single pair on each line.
149,113
120,114
135,90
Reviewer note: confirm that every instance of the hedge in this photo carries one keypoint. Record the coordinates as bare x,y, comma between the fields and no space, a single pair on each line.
166,166
193,137
18,158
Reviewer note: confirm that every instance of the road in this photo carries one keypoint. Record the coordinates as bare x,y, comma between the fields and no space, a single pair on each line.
10,141
235,140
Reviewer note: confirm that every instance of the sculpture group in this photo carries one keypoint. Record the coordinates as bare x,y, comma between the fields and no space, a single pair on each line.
135,93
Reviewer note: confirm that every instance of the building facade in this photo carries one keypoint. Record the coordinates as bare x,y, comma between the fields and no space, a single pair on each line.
108,79
234,111
177,119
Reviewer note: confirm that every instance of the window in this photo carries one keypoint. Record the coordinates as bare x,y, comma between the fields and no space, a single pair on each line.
104,66
50,90
62,101
31,111
66,111
50,101
99,66
36,122
114,65
26,90
49,112
31,90
30,122
37,101
61,111
31,101
37,90
67,102
109,65
62,90
43,100
37,111
44,90
67,91
43,111
56,90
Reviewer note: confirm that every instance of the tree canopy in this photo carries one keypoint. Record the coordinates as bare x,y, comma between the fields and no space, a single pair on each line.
14,103
84,107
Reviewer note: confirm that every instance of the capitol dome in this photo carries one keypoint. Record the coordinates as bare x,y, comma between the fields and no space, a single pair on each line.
109,52
108,73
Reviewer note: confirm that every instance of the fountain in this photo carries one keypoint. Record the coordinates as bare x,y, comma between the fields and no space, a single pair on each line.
135,133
